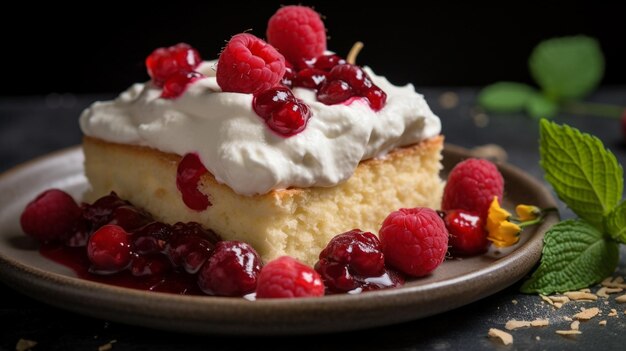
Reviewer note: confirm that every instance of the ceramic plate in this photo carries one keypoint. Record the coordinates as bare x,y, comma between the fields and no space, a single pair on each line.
453,284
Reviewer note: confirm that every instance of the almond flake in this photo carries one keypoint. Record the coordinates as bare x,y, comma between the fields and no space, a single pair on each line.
547,299
581,295
561,299
568,332
618,282
558,305
586,290
575,325
605,291
602,323
621,298
613,313
513,324
505,338
539,323
24,344
514,302
587,314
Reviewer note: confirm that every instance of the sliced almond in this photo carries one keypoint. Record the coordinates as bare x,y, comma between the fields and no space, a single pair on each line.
561,299
568,332
547,299
605,291
567,318
587,290
539,323
587,314
514,324
602,323
514,302
617,282
24,344
581,295
621,298
575,325
613,313
505,338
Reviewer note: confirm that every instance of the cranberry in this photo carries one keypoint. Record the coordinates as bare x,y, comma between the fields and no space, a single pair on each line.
164,62
190,170
354,261
149,265
290,119
376,97
336,276
310,78
327,62
100,212
361,250
467,232
353,75
289,76
157,230
269,100
109,249
129,218
232,270
188,248
176,83
334,92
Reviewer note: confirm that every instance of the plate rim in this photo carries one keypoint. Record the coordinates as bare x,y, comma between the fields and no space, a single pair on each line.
34,281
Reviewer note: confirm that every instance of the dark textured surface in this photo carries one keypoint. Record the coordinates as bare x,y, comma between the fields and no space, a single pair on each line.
31,127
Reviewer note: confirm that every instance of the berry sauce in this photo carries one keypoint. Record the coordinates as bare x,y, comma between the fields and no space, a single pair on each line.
75,258
190,170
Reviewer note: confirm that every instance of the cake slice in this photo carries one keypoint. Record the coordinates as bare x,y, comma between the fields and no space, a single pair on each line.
297,222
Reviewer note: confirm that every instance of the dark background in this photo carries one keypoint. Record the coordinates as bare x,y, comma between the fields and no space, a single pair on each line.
89,48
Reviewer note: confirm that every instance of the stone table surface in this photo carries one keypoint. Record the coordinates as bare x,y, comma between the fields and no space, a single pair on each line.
35,126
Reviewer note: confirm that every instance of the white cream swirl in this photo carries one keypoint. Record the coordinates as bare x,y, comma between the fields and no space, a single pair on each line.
238,148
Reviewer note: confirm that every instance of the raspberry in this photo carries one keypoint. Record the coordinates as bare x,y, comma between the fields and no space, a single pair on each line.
471,186
108,249
286,277
164,62
297,32
52,215
249,65
467,233
414,240
232,270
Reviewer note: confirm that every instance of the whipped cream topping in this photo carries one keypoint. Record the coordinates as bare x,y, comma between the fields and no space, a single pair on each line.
237,147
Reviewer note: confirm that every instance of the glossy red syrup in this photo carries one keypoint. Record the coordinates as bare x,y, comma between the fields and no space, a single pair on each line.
75,258
188,174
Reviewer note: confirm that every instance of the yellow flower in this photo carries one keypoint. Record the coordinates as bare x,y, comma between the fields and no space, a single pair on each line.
527,212
501,232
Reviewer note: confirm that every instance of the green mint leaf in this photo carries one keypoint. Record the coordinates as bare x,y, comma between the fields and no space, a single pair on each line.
616,223
583,173
568,67
539,106
575,255
505,97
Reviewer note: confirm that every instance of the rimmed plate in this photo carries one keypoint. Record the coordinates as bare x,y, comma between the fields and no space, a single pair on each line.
454,283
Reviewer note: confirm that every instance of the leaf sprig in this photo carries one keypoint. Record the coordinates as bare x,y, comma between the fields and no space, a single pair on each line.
587,177
566,70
